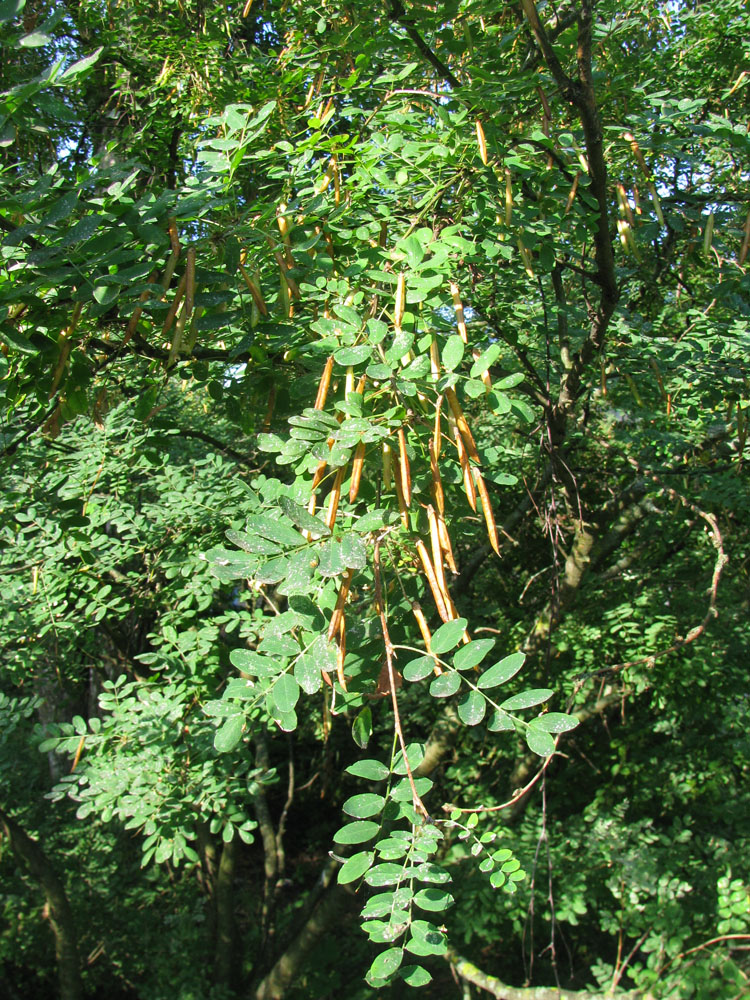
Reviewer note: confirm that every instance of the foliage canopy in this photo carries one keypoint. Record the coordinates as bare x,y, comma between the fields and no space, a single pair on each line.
374,414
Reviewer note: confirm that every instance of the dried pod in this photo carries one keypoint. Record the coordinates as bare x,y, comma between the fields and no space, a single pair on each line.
437,594
426,634
489,517
333,498
357,465
323,386
338,611
254,288
459,310
462,424
400,301
437,484
341,653
445,545
404,469
481,142
387,466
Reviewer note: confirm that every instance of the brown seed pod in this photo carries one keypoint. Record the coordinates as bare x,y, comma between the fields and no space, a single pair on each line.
324,384
489,517
357,464
434,359
387,466
426,634
437,484
341,653
400,306
572,193
463,458
437,554
255,291
429,572
462,424
404,469
174,238
403,509
338,611
508,197
445,545
437,437
333,498
175,305
481,142
459,310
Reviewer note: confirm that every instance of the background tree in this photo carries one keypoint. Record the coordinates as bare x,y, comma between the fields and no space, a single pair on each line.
374,416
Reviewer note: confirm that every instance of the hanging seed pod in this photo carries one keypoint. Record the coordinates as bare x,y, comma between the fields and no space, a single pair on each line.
482,143
429,572
283,225
426,634
254,288
138,312
462,424
437,484
383,236
489,517
708,235
341,653
572,193
404,469
387,466
528,262
336,180
445,545
338,611
324,384
175,305
333,498
624,204
471,495
357,465
400,306
437,437
434,359
459,310
437,553
508,196
745,241
403,509
174,238
246,8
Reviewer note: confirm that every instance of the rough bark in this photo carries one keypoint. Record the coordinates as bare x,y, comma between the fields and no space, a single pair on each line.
34,859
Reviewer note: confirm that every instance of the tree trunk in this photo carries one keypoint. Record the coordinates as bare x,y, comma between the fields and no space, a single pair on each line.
61,921
224,956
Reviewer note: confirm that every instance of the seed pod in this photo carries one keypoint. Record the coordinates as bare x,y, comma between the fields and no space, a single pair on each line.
445,545
437,483
403,509
432,580
508,197
323,386
284,300
341,653
437,437
383,236
254,288
284,230
465,468
246,8
338,611
437,554
528,261
481,142
434,359
400,301
463,426
357,465
745,241
708,235
137,312
404,470
624,204
426,634
459,310
175,305
489,517
387,466
174,238
572,193
336,180
333,498
349,383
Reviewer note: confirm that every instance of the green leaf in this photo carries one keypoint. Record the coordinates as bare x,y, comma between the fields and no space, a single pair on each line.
372,770
385,964
302,518
446,684
414,754
472,653
358,832
555,722
353,552
230,734
500,722
355,867
364,805
10,9
385,874
527,699
307,673
351,356
485,360
362,728
434,900
448,636
415,975
540,742
34,40
274,530
286,693
419,668
250,662
453,352
501,672
385,903
471,708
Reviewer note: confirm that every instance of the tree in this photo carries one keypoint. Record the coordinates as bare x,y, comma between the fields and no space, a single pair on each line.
375,407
